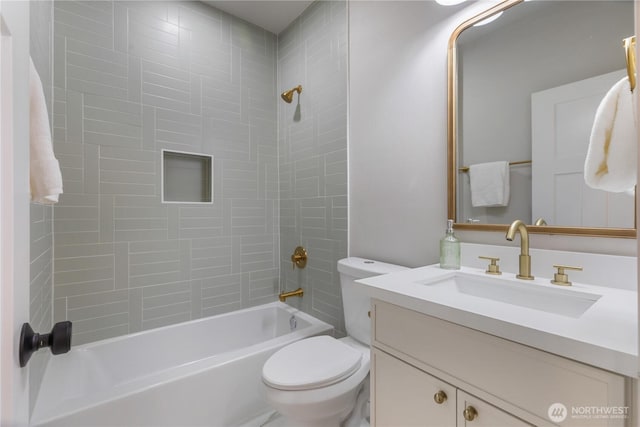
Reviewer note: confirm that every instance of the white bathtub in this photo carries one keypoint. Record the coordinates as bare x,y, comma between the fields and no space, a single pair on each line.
206,372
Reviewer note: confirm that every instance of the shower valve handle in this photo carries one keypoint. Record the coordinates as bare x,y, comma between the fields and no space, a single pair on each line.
299,258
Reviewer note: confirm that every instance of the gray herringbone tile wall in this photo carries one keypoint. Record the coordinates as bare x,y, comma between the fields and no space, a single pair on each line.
41,216
130,79
312,147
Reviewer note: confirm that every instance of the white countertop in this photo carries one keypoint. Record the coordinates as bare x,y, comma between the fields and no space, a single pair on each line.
604,336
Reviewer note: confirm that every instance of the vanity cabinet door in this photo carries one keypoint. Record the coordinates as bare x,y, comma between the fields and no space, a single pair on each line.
406,396
474,412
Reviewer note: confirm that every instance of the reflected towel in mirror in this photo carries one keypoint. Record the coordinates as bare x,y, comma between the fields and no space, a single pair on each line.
611,161
489,184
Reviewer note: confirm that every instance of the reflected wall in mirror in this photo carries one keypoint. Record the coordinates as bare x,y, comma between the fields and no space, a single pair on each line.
524,89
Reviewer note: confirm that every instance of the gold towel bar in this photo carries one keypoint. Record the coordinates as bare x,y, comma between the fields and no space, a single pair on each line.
630,54
521,162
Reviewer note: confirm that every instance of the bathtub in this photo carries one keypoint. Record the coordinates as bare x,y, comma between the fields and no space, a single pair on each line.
205,372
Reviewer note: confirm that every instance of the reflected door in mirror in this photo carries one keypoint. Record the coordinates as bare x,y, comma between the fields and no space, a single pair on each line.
561,123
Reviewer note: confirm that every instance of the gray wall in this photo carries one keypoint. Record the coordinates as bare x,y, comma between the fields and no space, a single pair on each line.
397,142
132,78
41,216
312,145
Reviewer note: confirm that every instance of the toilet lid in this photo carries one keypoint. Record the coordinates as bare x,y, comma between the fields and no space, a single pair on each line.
311,363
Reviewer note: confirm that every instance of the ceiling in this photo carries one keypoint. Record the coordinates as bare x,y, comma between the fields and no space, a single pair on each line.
272,15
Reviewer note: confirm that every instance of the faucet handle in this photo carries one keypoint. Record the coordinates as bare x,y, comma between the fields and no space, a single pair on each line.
299,257
493,267
561,278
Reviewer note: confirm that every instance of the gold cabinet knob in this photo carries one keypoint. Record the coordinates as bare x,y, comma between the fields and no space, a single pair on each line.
561,278
470,413
493,267
440,397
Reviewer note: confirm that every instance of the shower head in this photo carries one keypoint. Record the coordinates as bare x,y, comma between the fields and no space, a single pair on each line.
288,95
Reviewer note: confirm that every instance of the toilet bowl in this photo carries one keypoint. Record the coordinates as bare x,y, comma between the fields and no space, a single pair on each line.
323,381
326,395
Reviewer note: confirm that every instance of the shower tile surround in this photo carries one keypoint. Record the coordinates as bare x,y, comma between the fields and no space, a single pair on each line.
312,147
133,78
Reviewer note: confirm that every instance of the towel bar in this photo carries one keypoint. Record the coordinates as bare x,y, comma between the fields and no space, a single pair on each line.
521,162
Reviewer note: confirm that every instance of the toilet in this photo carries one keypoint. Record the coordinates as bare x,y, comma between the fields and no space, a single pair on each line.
323,381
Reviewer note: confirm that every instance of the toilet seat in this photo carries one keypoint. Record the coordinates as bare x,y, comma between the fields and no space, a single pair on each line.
310,364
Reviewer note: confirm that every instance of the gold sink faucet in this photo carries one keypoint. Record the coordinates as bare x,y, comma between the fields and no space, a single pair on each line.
525,259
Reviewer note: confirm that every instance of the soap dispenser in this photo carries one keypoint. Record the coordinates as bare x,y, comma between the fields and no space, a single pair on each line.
450,249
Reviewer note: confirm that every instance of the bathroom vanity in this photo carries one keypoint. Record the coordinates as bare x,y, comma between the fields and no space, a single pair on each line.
465,348
442,374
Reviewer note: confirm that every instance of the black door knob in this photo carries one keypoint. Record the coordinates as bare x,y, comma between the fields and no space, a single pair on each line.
59,339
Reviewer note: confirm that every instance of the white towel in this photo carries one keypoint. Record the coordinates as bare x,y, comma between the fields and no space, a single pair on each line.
44,170
611,161
489,184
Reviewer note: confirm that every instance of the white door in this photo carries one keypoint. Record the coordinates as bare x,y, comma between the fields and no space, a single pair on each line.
14,207
561,121
636,92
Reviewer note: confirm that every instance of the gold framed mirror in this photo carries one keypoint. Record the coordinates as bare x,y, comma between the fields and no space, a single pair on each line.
503,79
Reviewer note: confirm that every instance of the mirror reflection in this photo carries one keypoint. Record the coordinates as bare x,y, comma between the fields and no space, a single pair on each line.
528,86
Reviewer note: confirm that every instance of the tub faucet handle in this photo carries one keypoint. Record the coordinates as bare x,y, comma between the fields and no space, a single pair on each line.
299,257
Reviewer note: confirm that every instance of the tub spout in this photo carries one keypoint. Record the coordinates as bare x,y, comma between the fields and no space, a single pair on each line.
297,293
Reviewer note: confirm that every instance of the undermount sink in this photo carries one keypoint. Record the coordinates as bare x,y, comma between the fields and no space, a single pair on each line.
563,301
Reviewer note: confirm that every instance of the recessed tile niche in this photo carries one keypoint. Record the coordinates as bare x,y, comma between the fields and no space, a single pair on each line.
186,177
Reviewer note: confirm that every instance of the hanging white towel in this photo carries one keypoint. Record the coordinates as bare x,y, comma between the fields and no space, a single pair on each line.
44,170
611,161
489,184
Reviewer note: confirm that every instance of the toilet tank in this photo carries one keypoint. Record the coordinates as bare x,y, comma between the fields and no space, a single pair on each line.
357,303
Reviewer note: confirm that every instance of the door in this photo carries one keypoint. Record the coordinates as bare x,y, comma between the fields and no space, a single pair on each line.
561,120
406,396
14,207
635,420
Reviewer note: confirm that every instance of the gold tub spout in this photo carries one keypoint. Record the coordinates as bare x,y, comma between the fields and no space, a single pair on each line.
297,293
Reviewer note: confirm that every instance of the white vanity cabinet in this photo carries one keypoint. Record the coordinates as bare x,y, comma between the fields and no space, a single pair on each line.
409,397
416,356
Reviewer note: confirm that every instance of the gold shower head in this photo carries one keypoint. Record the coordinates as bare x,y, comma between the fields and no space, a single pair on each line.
288,95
